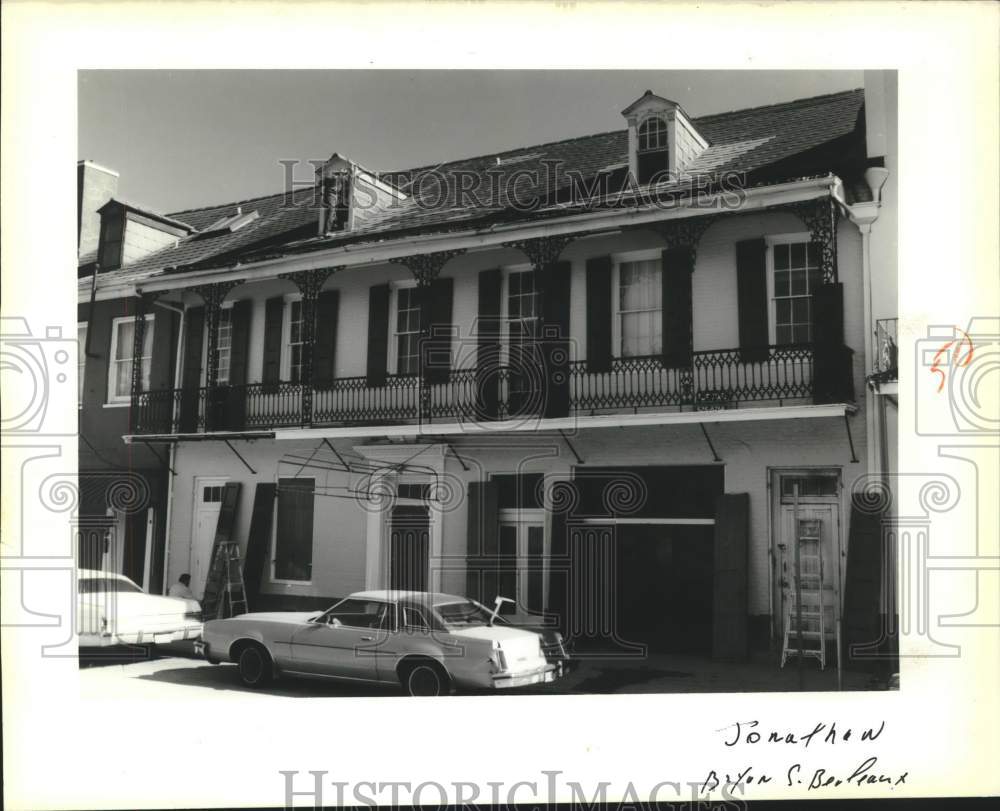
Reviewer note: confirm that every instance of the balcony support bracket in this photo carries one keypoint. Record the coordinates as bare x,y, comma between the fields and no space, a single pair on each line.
579,459
163,461
708,439
240,457
454,453
850,439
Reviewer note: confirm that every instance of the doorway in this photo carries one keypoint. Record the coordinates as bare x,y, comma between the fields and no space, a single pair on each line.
207,503
819,510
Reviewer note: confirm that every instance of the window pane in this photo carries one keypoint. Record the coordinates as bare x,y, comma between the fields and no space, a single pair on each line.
798,279
781,283
783,310
126,336
783,335
358,613
798,255
800,310
780,257
812,255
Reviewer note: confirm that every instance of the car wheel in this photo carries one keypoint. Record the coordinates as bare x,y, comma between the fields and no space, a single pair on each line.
426,680
255,666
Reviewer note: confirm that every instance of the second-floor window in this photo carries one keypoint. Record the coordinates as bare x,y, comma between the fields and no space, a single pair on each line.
795,275
652,154
522,307
81,358
295,341
122,344
407,331
225,344
640,308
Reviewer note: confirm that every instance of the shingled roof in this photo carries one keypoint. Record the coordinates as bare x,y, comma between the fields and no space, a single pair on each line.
805,137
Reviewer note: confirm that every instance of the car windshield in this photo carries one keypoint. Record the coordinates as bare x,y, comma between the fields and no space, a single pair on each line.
462,614
95,585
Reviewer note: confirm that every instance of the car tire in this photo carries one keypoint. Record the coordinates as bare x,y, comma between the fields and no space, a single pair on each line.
255,667
426,679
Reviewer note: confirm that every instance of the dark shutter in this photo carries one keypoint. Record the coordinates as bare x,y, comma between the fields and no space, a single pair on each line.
235,394
483,545
242,314
191,370
559,569
161,370
751,292
274,313
378,334
258,541
294,535
555,337
730,609
678,268
599,299
488,346
863,635
436,312
833,381
325,351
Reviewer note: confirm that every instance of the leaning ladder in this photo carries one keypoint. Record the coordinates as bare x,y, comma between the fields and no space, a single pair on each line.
225,593
810,577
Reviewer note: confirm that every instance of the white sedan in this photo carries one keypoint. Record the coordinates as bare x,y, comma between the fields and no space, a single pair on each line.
112,610
426,643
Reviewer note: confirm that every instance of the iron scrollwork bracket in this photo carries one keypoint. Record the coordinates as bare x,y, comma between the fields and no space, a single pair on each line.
213,296
426,267
820,217
541,251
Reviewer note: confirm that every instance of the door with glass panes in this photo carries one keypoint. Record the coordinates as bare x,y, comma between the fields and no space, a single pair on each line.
521,547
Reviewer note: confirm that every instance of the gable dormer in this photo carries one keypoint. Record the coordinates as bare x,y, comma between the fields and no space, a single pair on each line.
661,138
129,233
350,195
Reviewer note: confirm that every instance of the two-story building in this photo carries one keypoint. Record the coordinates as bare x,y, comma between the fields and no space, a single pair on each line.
597,376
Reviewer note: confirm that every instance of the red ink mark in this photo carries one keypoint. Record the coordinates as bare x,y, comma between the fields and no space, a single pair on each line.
963,360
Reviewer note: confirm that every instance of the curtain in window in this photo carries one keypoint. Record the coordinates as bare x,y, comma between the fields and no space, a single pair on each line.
640,307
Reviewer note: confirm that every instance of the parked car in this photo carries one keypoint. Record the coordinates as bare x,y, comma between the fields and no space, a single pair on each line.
426,643
113,610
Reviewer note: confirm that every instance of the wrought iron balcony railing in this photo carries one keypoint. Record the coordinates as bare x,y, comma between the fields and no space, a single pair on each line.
717,379
885,364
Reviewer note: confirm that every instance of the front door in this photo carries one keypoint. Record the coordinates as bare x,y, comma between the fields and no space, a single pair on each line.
818,524
521,573
207,505
409,548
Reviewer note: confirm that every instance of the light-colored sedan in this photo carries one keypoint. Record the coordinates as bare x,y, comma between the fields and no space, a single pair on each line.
426,643
113,610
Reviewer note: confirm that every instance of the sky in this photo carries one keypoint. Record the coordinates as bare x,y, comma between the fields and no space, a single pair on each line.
187,138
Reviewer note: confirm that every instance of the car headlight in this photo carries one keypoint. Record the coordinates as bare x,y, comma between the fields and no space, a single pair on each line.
194,616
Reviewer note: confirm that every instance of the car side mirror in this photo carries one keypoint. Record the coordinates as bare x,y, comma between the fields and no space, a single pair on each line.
336,623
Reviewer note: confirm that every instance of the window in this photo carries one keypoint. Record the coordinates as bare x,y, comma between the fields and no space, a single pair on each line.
120,371
640,305
293,532
811,485
417,492
358,613
796,274
224,346
212,494
295,342
522,327
652,157
414,619
407,341
81,358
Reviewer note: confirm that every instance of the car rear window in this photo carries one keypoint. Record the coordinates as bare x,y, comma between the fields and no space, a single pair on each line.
465,613
96,585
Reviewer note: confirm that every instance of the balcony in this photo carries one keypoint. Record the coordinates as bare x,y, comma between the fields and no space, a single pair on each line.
716,379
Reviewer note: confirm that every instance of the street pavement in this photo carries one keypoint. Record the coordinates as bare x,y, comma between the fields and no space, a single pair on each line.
137,675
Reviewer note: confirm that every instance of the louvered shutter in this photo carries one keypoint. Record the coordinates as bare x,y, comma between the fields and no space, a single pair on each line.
325,350
751,293
436,310
832,375
274,312
730,611
378,334
555,337
678,268
488,346
191,369
599,300
236,395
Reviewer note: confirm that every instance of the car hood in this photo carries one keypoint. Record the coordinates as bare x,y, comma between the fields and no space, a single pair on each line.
493,633
133,604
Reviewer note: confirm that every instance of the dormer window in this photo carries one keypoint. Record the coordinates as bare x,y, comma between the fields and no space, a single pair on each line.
652,151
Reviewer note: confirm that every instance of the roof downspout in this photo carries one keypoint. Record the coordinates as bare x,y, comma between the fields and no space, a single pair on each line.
863,215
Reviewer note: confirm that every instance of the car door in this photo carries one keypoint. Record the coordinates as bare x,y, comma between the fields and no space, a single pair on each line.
344,641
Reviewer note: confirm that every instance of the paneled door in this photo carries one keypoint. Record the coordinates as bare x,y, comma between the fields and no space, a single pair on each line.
207,505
